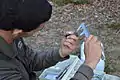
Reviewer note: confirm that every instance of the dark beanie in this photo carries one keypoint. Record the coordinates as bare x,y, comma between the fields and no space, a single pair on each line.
24,14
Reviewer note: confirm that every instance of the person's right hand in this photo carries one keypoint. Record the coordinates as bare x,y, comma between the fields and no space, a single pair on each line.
93,51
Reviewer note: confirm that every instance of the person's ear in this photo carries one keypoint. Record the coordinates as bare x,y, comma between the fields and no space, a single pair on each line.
17,32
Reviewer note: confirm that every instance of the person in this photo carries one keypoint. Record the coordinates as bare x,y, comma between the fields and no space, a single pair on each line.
20,18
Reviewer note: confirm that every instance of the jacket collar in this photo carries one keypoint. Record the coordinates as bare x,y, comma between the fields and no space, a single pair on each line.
7,49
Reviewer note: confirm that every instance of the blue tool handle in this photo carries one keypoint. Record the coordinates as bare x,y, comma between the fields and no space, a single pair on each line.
85,32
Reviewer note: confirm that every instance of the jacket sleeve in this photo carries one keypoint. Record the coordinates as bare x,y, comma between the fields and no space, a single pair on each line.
42,60
83,73
9,72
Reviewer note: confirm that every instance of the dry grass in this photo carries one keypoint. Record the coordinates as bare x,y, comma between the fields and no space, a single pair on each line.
63,2
114,25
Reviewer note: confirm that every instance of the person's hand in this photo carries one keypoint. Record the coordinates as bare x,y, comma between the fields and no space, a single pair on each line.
93,51
68,44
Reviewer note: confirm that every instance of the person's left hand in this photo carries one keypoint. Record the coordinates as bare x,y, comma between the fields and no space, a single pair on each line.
68,44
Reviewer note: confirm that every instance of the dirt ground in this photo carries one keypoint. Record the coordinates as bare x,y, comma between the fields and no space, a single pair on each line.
96,15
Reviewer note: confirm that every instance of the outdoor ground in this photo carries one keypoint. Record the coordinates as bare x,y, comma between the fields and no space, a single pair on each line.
99,16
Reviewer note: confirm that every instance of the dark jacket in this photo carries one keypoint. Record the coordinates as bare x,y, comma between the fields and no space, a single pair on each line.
18,62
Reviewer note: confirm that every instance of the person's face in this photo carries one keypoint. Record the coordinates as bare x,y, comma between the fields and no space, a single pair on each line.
20,33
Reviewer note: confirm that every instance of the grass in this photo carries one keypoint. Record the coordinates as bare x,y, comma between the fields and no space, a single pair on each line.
80,1
114,25
63,2
108,67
